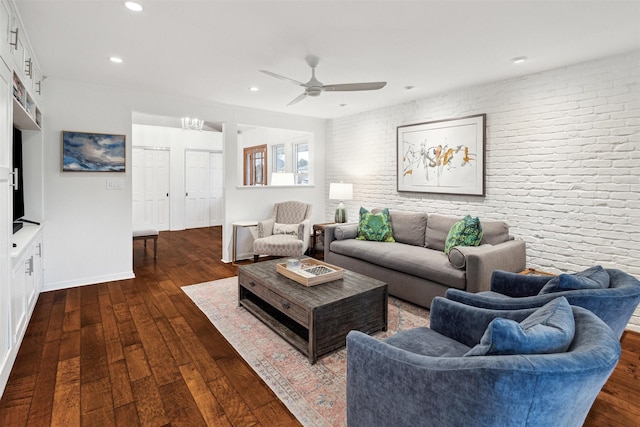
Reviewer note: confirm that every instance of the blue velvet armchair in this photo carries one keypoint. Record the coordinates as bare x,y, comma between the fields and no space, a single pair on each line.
420,377
512,291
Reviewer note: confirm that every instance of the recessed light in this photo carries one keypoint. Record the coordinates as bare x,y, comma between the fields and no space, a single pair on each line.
519,59
253,89
131,5
116,60
343,105
409,87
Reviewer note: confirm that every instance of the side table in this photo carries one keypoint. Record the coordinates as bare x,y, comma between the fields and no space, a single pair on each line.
533,271
318,230
236,225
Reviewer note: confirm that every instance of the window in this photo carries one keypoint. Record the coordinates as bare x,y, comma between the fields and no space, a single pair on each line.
278,157
301,155
255,165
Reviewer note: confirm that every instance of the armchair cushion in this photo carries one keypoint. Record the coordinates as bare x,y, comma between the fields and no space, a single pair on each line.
595,277
375,227
549,329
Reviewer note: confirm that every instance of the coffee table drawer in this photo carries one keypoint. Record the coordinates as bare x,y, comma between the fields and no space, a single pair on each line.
295,312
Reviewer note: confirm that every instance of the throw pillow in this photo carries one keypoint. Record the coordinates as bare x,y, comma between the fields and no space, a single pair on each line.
457,258
375,227
549,329
595,277
285,229
466,232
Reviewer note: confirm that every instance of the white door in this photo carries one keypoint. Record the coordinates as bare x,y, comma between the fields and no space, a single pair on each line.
197,188
156,188
216,198
150,182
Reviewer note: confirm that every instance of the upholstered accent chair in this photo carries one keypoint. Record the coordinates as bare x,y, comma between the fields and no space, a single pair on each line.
286,232
614,304
421,377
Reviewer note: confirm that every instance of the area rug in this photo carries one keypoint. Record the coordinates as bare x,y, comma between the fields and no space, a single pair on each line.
315,394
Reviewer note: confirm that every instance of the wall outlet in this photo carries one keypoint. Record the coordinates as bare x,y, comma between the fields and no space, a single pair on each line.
115,184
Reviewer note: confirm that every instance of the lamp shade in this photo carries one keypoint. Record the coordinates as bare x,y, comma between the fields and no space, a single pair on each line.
282,178
340,191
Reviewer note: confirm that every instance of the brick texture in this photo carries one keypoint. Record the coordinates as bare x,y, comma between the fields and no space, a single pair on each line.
562,162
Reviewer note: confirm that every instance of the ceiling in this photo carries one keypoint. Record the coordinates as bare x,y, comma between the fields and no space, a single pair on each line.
212,50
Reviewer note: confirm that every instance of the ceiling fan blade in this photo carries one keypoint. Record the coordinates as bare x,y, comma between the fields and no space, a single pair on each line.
354,86
298,99
278,76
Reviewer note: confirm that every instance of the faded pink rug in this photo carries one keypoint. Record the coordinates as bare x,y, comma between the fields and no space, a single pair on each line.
315,394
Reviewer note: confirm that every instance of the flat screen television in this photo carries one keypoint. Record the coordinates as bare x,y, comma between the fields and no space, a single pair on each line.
18,190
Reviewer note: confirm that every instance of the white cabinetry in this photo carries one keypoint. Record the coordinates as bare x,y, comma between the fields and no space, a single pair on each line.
26,279
21,271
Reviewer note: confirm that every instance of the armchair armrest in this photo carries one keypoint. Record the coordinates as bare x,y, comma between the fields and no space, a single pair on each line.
265,227
483,260
466,323
304,230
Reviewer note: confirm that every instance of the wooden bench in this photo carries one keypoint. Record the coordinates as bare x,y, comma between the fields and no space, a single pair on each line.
146,231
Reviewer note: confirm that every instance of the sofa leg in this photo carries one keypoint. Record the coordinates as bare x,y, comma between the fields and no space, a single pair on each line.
255,258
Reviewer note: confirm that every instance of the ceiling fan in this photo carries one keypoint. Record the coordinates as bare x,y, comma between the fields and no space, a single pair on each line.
314,88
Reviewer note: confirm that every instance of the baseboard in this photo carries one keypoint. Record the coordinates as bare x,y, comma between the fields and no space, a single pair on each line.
86,281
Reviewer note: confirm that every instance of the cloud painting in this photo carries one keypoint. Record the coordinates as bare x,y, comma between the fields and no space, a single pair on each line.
93,152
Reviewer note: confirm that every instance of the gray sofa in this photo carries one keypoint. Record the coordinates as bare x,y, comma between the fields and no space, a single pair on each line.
415,266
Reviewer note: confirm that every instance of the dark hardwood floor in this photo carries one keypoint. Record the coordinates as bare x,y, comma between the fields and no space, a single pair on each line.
139,352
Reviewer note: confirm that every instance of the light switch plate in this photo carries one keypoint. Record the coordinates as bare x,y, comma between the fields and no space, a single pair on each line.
115,184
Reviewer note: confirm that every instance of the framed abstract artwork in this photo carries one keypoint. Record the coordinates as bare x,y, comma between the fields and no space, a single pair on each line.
93,152
444,156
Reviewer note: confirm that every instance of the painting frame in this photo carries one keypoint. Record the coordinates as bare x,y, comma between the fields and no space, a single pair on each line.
428,162
93,152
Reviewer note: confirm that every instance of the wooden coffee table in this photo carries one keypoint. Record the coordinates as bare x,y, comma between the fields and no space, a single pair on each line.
316,319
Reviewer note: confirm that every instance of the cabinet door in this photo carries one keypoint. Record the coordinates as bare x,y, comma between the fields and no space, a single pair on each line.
5,35
17,47
18,300
37,266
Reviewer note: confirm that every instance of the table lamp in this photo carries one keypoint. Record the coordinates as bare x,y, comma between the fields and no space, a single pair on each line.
340,191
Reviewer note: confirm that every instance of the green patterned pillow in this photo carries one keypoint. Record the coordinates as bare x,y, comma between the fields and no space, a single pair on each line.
466,232
376,227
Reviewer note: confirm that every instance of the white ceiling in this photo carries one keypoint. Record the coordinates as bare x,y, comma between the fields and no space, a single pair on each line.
212,50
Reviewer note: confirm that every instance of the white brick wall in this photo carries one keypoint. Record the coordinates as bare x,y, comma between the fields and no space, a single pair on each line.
562,162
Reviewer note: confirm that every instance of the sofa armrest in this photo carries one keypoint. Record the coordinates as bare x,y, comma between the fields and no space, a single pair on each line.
507,256
517,285
265,227
330,234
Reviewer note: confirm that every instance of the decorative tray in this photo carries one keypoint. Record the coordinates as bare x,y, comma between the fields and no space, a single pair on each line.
311,272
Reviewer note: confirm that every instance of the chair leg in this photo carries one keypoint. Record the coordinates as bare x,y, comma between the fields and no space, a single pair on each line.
255,258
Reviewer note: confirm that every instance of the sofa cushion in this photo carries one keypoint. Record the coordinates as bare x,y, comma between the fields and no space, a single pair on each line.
408,227
415,260
494,232
438,227
595,277
549,329
466,232
375,227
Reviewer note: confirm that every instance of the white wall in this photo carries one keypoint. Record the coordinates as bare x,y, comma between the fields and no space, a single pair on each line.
562,161
177,141
88,228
